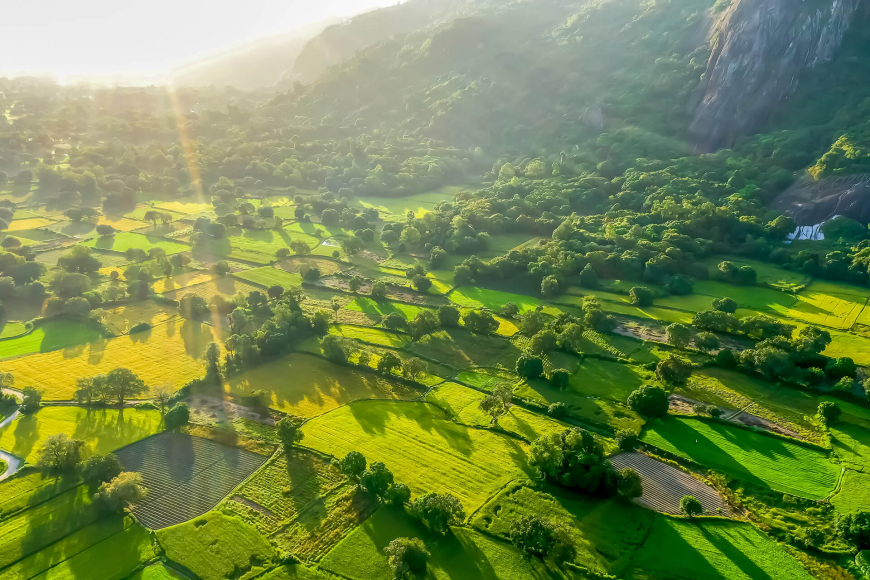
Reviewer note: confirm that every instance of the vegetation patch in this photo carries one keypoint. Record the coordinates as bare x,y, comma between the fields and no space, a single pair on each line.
423,448
121,319
186,476
307,386
372,335
53,335
121,242
764,460
854,493
268,276
461,349
168,355
609,380
601,411
375,309
226,287
833,310
475,297
180,281
711,549
103,430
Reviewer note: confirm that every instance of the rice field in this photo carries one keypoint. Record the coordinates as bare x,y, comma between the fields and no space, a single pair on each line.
187,476
269,276
103,430
167,355
422,447
121,242
50,336
308,386
754,457
711,550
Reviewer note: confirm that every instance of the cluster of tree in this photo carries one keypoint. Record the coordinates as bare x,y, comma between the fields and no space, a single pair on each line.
376,479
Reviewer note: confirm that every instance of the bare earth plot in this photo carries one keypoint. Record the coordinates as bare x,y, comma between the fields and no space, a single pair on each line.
185,476
664,485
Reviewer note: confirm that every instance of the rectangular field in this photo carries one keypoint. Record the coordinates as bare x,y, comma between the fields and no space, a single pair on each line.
754,457
186,476
422,447
123,241
834,310
226,287
169,355
372,335
268,276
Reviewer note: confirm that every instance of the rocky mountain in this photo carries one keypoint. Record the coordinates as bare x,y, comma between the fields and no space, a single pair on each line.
760,48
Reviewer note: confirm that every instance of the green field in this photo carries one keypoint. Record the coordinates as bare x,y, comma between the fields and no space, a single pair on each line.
460,349
712,550
268,276
423,448
839,311
768,273
123,241
103,430
372,335
11,329
375,309
156,572
609,380
458,555
474,297
854,493
53,335
420,203
215,547
754,457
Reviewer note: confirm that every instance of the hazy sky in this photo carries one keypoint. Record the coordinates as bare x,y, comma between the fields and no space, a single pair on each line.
144,37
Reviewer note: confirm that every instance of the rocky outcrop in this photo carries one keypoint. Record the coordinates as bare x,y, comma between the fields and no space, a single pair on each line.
760,48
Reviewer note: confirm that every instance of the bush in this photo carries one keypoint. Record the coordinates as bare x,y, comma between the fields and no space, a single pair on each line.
142,326
641,296
673,370
124,491
177,416
829,412
102,468
533,535
557,410
626,439
560,378
407,556
690,506
649,401
529,367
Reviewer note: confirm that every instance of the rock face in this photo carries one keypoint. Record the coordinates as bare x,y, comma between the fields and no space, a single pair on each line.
760,48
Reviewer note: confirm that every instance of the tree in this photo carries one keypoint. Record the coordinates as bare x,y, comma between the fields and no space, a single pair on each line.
533,535
30,400
290,431
352,465
448,316
60,453
105,230
421,283
855,528
690,506
480,322
406,556
275,291
389,362
102,468
399,494
222,268
66,285
413,367
630,484
588,278
532,323
549,287
673,370
497,403
354,284
379,290
529,367
626,439
462,275
377,479
161,396
122,492
560,378
336,348
509,310
79,260
122,384
830,412
678,335
649,401
543,342
426,322
335,304
725,304
177,416
393,321
707,341
641,296
841,367
440,511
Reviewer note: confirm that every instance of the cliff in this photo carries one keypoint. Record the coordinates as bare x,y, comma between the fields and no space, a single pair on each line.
759,49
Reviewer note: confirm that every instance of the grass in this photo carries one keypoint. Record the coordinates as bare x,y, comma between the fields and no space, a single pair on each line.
753,457
11,329
420,203
216,546
156,572
169,355
53,335
268,276
295,572
461,349
103,430
28,224
605,533
31,487
487,379
187,206
600,411
124,241
257,246
474,297
189,475
834,310
317,386
854,493
767,273
460,554
422,447
618,304
464,404
227,286
163,285
121,319
712,549
114,558
120,223
375,309
609,380
372,335
283,489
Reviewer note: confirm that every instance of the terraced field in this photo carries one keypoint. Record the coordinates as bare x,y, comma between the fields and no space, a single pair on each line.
186,476
664,486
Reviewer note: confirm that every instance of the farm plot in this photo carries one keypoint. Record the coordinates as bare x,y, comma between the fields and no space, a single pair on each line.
422,447
188,206
126,240
268,276
605,533
462,349
712,550
375,309
121,319
464,404
768,273
754,457
28,223
487,378
854,493
227,287
186,476
170,355
307,386
664,485
474,297
295,265
398,207
102,430
372,335
28,488
609,380
156,572
458,555
283,489
216,547
833,310
120,223
53,335
163,285
750,297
